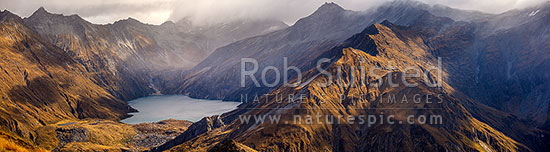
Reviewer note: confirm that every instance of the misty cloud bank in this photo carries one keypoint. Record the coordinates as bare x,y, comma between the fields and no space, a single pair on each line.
215,11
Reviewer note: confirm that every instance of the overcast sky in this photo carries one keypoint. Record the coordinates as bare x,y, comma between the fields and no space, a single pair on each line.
208,11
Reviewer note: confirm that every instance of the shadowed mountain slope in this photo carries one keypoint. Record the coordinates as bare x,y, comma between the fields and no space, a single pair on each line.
466,125
218,76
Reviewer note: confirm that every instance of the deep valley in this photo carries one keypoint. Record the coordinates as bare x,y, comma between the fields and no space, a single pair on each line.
419,77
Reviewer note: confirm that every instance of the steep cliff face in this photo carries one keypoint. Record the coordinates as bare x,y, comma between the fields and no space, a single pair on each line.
43,84
465,124
121,55
501,61
516,63
124,42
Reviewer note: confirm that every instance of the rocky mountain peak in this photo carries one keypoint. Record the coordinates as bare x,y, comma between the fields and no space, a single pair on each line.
387,23
168,23
329,8
7,15
132,20
327,14
373,29
41,12
129,21
42,16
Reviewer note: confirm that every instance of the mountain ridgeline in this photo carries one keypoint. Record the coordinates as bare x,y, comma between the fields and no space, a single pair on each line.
494,73
481,52
493,92
218,76
58,67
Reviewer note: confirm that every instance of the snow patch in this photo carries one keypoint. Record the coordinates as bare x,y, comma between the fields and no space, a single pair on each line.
533,13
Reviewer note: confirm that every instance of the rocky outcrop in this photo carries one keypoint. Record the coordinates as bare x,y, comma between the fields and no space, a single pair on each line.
202,126
155,134
96,134
230,146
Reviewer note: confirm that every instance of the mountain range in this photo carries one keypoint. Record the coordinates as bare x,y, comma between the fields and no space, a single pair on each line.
473,48
494,79
59,67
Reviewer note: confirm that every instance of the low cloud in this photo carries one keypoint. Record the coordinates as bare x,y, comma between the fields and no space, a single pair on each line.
214,11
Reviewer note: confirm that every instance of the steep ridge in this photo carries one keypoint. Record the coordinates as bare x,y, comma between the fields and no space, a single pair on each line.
42,84
218,76
466,125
